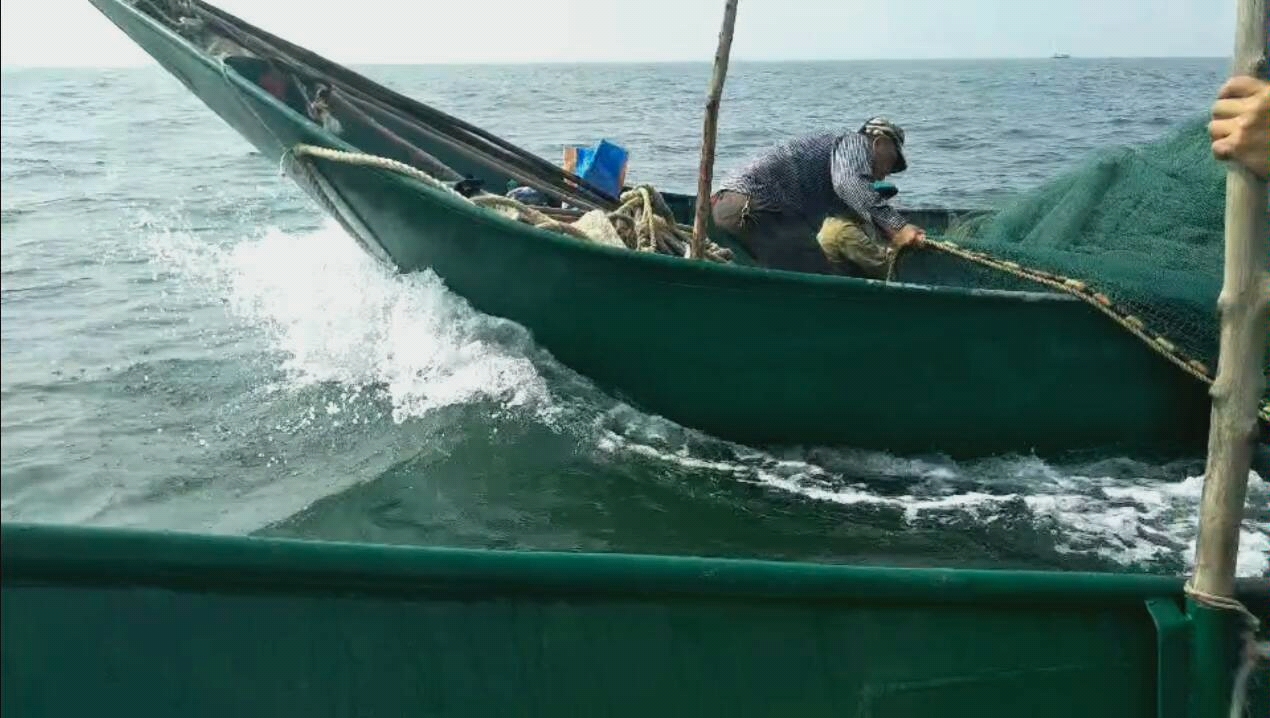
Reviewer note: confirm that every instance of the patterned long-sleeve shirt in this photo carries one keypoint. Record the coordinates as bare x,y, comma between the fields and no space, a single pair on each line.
815,176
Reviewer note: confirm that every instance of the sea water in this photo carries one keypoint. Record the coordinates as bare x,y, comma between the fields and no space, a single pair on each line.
189,343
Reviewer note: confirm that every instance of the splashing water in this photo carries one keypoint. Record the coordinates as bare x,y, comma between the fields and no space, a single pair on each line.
333,315
336,315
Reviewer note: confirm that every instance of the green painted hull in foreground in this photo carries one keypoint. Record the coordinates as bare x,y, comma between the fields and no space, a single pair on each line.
120,623
756,356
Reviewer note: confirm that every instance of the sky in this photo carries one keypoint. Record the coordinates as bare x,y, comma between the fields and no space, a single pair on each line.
74,33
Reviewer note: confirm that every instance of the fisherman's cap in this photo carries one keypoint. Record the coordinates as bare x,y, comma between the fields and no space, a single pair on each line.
882,127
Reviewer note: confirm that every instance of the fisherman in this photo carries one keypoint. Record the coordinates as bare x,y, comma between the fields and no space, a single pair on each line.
820,184
1241,124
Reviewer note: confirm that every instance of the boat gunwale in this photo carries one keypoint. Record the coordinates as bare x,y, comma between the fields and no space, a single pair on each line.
482,215
36,554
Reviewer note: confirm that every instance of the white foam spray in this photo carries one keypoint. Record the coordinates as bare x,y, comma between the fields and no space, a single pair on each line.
334,314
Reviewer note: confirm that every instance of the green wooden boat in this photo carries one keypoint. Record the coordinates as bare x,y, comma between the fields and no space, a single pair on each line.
122,623
743,353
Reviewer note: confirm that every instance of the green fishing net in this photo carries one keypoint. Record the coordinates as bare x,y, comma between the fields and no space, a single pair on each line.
1142,224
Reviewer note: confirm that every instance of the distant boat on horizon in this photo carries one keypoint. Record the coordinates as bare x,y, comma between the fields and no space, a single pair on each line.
1061,56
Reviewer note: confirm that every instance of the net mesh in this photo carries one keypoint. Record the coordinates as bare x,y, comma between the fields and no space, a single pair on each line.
1142,225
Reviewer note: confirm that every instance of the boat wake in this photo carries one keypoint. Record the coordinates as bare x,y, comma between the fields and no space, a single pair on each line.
331,315
1129,513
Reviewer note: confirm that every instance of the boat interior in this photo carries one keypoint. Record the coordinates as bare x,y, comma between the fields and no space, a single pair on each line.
379,121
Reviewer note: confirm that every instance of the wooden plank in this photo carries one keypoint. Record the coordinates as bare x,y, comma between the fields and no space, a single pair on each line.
705,173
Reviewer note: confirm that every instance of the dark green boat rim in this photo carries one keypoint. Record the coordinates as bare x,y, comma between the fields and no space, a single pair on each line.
112,556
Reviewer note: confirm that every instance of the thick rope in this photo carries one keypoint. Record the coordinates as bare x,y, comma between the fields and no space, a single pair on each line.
365,160
532,216
1099,301
1253,652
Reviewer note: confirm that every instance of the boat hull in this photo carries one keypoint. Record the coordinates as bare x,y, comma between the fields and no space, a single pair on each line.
114,622
755,356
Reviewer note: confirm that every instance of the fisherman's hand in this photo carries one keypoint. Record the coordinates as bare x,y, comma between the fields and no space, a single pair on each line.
908,234
1241,124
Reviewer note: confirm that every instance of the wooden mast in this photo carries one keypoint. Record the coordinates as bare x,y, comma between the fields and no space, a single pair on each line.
705,172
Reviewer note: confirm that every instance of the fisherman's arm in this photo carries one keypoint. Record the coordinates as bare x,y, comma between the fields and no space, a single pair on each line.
849,167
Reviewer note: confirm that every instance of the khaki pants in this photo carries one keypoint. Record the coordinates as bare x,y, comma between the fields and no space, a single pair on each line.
855,247
774,240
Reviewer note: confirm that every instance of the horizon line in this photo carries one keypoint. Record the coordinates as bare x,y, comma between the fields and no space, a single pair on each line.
737,61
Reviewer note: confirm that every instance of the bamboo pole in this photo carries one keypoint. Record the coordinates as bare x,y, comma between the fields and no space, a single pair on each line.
1244,304
705,173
